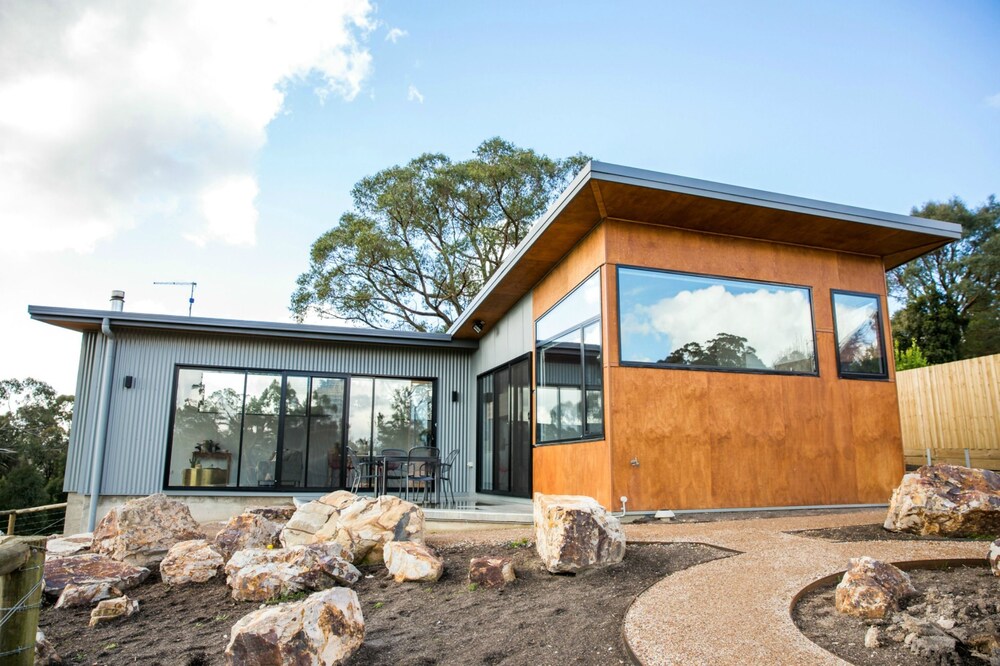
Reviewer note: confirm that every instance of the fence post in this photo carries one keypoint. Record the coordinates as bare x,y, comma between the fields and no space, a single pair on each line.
968,460
929,457
11,519
22,560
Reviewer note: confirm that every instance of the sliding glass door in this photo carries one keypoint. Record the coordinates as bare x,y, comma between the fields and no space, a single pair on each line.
504,430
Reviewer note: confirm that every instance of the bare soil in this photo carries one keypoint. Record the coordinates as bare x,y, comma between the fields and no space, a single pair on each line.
875,532
971,595
539,619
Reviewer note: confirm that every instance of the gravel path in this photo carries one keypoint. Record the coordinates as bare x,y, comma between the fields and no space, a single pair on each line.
737,610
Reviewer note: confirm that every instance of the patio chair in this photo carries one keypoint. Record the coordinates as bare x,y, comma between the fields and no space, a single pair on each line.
422,464
444,474
361,470
395,470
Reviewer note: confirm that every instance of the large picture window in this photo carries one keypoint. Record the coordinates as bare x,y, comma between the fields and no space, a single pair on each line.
858,323
712,323
569,390
287,430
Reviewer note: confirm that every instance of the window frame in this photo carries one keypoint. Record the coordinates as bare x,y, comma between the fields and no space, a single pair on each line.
706,368
538,344
284,373
869,376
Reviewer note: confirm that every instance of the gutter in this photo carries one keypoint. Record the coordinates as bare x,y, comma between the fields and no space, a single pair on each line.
103,409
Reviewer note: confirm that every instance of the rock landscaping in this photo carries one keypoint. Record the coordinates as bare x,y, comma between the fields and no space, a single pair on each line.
88,570
946,500
574,533
248,530
491,572
871,589
111,609
263,575
187,562
141,531
408,561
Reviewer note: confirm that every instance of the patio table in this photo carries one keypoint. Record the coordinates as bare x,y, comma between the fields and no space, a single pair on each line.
432,463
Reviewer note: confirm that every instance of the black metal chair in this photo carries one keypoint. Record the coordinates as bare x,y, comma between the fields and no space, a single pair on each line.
444,474
422,464
362,470
395,470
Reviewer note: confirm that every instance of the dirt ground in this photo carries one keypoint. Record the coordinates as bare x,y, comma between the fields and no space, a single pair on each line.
973,590
539,619
874,532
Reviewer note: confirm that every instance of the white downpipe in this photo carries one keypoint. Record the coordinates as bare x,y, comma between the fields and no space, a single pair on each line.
103,409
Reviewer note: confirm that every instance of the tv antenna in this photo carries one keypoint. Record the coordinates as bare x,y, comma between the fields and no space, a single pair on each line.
183,284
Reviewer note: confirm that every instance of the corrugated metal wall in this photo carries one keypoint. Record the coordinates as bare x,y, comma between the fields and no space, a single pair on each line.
138,429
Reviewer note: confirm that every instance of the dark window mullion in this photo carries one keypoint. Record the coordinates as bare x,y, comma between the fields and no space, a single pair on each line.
243,414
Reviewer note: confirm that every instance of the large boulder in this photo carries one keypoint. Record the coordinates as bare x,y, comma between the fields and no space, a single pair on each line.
946,500
323,630
870,589
313,516
262,575
410,561
279,513
86,594
90,569
195,561
141,531
491,572
247,530
111,609
574,532
69,545
361,524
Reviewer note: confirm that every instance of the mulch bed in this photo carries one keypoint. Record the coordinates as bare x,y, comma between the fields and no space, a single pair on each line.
974,591
875,532
539,619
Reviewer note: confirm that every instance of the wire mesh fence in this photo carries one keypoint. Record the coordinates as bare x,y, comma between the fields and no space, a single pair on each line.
41,521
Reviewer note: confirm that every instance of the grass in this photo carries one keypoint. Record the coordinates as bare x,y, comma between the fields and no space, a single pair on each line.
473,587
520,543
294,596
379,604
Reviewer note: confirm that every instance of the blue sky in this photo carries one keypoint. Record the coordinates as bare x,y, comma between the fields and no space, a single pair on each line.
132,151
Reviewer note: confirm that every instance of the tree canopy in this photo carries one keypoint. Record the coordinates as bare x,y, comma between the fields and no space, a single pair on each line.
424,237
34,436
951,297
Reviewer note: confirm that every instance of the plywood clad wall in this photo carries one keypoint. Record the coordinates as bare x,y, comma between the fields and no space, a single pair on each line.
951,406
716,439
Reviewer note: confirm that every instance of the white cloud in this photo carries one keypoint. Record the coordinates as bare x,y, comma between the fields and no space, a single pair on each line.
771,321
111,113
994,101
395,34
413,95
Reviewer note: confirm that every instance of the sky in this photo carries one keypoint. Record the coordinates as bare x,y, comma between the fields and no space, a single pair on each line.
214,142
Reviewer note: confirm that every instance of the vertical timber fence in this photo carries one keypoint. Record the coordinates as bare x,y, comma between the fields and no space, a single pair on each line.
950,413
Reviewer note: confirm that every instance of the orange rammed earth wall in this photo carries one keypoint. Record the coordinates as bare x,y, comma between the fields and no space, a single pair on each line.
718,439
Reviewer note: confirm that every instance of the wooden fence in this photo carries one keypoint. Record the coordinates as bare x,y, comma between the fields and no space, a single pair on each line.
951,412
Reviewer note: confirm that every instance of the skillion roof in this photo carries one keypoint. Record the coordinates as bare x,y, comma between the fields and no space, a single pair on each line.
608,191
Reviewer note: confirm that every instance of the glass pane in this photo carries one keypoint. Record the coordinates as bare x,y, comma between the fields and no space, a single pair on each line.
560,413
206,433
359,420
595,413
695,321
293,451
581,304
560,363
260,430
324,452
502,400
402,414
297,395
486,430
859,343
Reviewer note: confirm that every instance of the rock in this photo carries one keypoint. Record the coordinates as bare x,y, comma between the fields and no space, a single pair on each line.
86,594
324,629
938,648
279,513
195,561
870,588
946,500
410,561
247,530
70,545
109,609
261,575
89,569
871,638
45,654
141,531
994,557
362,524
491,571
573,533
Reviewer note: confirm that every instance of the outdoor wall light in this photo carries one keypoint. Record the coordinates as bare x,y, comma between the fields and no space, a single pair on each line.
478,325
129,381
454,396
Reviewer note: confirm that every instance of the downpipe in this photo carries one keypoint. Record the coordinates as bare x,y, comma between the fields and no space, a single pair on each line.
103,413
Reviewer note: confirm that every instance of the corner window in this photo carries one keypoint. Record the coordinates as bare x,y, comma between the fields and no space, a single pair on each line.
569,395
858,324
677,320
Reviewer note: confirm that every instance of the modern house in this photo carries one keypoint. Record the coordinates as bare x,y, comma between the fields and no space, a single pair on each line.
680,343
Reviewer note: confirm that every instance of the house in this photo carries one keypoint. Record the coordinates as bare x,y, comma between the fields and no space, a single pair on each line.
661,341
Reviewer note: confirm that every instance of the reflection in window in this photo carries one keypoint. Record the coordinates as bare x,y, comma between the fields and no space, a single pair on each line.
674,319
389,414
207,422
858,323
569,390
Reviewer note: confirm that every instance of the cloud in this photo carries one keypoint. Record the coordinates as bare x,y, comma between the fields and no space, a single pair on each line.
395,34
773,322
112,113
413,95
994,101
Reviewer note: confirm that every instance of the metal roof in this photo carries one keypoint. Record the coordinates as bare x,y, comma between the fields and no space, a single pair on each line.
84,320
